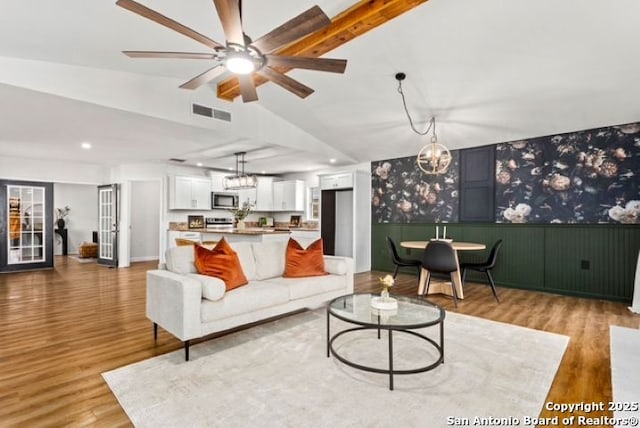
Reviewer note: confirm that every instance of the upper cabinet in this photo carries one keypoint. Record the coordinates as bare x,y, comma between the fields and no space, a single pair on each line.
189,193
288,195
261,196
336,181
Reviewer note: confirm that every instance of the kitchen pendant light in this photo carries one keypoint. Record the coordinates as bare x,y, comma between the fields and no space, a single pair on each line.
434,158
240,180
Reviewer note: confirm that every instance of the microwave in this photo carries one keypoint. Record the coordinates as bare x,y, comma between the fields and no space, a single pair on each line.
224,200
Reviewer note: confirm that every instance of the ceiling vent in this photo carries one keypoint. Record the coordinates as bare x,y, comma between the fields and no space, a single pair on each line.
205,111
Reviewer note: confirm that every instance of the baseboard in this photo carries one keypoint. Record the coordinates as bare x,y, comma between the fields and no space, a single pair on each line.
143,259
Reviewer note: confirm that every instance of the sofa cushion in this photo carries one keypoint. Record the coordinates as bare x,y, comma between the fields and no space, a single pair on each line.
212,288
302,262
335,266
300,288
253,296
221,262
180,260
270,259
247,260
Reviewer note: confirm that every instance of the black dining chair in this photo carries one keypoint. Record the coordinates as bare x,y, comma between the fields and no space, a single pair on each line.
440,257
401,261
485,267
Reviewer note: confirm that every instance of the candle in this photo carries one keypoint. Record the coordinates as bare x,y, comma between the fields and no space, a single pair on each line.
444,234
437,232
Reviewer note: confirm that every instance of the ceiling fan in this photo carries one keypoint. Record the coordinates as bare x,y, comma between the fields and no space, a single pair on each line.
240,54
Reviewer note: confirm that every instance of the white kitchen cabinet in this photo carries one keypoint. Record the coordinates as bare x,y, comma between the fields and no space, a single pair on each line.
264,194
217,182
261,196
288,195
189,193
336,181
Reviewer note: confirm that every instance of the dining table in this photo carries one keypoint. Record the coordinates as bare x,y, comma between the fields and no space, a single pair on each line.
443,287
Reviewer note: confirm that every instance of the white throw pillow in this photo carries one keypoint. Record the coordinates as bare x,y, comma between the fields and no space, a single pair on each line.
245,255
270,259
335,266
212,288
180,259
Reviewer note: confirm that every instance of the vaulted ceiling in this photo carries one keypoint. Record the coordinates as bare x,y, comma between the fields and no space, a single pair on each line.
489,71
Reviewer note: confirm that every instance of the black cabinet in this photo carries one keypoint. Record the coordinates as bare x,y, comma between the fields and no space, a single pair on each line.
477,184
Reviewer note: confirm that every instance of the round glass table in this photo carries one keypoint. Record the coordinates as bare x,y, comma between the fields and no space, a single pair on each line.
411,314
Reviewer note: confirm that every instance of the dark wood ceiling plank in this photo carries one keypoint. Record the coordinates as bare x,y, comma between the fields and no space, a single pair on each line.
360,18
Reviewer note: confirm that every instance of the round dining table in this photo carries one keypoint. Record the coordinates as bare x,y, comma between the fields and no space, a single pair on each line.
443,287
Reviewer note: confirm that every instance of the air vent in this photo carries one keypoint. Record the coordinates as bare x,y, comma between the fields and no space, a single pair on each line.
205,111
177,160
222,115
202,110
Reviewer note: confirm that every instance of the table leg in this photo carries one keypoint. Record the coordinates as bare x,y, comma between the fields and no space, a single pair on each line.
457,281
390,360
328,336
423,281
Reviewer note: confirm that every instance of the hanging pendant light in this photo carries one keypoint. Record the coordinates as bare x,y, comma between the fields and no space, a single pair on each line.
434,158
240,180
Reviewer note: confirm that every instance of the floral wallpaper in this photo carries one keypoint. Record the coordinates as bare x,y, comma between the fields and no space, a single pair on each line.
580,177
402,193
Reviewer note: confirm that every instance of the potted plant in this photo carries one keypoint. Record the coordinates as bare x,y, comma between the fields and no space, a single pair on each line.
61,214
241,212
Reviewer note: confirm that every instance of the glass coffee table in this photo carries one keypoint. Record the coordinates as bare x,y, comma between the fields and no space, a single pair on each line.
411,314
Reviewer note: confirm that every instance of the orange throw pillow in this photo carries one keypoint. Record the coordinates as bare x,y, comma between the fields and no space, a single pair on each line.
221,262
301,262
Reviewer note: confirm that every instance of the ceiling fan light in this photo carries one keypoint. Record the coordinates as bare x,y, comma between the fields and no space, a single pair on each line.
240,64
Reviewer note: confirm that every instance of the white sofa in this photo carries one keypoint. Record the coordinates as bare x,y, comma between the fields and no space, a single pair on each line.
189,305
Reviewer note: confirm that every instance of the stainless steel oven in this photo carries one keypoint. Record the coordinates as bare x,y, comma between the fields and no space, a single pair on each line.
224,200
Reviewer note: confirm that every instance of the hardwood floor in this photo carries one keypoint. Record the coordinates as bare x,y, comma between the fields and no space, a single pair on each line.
60,329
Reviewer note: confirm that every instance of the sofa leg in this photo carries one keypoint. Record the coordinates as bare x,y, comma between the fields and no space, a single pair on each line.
186,350
155,331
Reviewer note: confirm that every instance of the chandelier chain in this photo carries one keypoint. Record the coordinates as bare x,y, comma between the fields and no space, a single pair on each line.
432,122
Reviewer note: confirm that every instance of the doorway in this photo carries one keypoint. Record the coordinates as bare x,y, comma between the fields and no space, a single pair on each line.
26,225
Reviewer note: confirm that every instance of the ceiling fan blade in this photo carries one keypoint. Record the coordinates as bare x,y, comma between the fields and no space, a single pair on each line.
205,77
154,16
229,14
319,64
247,88
179,55
303,24
286,82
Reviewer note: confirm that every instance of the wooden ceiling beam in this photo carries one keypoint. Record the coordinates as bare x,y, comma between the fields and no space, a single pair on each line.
347,25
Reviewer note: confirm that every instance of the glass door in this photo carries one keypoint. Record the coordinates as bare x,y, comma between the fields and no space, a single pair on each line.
108,219
26,225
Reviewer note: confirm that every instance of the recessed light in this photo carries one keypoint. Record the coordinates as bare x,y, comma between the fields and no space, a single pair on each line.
263,172
199,164
85,145
332,160
230,169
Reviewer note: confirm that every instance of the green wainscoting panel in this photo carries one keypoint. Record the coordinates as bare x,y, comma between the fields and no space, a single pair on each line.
550,258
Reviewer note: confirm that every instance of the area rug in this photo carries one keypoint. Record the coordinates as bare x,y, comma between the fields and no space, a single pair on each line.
625,371
277,374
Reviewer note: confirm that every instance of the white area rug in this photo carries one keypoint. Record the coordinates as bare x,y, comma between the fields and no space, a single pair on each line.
625,369
277,374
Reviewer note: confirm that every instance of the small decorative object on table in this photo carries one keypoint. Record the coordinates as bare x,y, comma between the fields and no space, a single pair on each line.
61,214
384,301
195,221
241,212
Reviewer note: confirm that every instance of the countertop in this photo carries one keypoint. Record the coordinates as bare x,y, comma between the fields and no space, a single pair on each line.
248,231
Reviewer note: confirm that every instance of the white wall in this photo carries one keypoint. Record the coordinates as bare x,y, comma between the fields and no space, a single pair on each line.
52,171
83,218
145,218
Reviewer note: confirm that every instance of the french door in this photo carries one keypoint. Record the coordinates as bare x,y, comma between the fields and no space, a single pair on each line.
26,225
108,224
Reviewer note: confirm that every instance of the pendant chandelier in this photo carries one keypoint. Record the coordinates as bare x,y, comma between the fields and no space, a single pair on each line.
240,180
434,158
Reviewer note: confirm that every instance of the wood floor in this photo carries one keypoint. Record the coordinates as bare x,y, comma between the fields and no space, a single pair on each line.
60,329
